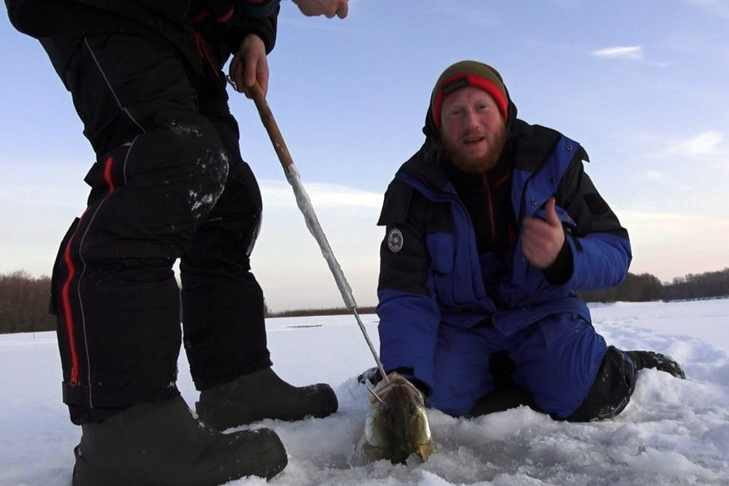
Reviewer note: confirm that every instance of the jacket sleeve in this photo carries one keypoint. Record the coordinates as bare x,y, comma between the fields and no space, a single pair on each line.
253,17
408,312
44,18
597,248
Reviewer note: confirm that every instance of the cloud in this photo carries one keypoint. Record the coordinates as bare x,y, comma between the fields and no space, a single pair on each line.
620,52
665,180
330,196
287,260
717,7
654,175
703,144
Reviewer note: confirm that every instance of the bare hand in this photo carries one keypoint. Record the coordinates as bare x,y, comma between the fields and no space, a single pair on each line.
542,240
329,8
250,65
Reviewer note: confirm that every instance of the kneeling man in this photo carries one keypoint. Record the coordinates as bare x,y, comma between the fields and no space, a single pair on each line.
492,228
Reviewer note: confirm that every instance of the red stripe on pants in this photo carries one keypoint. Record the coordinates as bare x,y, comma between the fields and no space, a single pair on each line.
66,290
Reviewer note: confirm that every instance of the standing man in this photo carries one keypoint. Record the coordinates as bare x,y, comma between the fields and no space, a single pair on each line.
492,228
169,182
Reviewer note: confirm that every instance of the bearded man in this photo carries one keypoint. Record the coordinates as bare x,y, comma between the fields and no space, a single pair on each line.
492,228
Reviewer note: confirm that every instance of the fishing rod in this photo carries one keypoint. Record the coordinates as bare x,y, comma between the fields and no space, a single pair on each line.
307,209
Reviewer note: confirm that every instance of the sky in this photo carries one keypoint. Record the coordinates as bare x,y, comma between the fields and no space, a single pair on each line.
641,85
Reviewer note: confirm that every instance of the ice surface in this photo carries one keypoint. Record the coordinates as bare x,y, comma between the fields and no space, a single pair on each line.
673,432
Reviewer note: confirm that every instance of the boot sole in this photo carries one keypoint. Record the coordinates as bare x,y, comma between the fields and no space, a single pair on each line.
85,474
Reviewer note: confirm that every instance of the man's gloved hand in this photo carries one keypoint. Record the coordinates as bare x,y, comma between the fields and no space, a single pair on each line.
658,361
374,376
371,375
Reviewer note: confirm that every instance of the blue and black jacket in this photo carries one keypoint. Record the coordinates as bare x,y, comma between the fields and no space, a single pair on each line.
433,278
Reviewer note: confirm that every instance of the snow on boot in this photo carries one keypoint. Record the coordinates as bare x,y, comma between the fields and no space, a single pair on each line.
661,362
162,444
262,394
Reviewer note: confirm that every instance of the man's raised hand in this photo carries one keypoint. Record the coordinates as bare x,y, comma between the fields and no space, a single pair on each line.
330,8
542,240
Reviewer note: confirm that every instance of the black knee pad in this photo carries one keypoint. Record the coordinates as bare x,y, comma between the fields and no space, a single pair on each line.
204,158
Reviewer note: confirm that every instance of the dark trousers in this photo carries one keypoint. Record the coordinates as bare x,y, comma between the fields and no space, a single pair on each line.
169,182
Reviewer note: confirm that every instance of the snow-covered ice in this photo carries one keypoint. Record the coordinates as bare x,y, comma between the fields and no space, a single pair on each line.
673,432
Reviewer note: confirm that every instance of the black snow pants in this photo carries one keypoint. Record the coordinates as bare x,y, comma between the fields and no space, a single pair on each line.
168,183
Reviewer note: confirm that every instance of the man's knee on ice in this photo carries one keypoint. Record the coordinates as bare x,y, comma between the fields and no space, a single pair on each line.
611,390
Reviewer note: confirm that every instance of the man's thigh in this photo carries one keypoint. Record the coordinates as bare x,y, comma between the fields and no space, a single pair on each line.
139,105
124,85
462,367
556,361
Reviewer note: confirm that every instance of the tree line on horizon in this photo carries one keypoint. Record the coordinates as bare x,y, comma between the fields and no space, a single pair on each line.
24,299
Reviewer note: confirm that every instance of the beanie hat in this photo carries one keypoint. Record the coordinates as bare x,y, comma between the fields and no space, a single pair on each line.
469,73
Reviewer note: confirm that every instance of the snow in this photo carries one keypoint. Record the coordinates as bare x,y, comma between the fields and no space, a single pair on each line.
673,432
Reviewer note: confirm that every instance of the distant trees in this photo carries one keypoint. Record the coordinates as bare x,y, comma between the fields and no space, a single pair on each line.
709,284
646,287
24,299
24,303
635,288
331,311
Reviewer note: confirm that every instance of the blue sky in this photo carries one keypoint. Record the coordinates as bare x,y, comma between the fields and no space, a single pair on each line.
642,85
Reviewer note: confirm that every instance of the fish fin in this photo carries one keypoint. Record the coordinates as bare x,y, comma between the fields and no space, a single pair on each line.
424,451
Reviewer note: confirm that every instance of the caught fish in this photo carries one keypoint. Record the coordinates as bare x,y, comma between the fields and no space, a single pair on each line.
397,424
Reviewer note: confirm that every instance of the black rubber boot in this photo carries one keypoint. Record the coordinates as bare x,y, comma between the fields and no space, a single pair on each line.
262,394
162,444
661,362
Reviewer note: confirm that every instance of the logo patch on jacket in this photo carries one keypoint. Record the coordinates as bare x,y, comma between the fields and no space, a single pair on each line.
395,240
